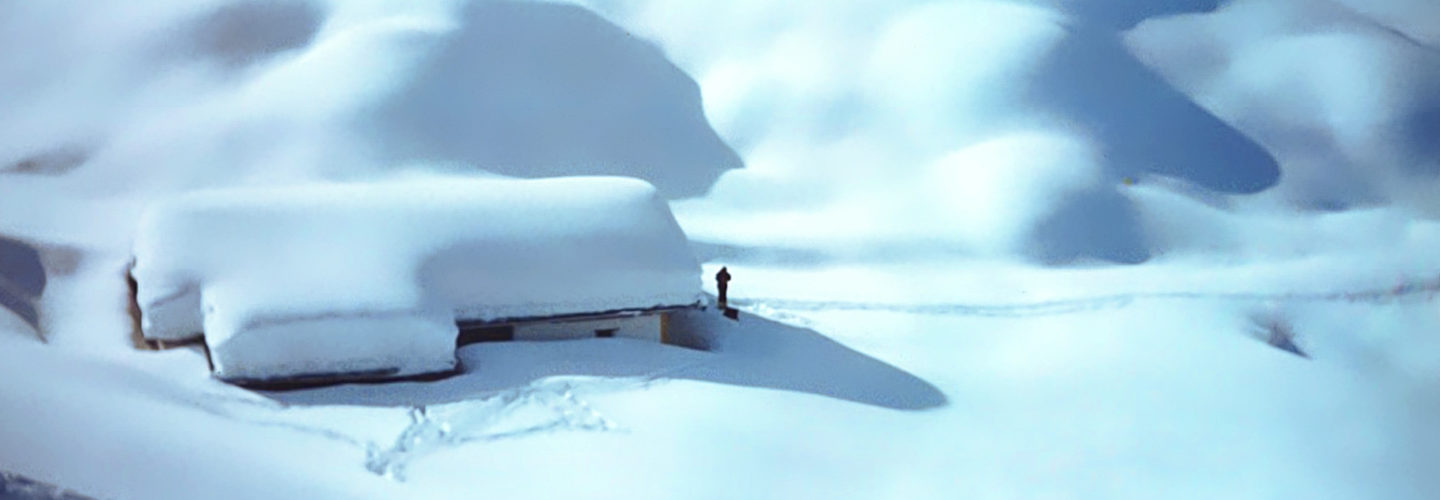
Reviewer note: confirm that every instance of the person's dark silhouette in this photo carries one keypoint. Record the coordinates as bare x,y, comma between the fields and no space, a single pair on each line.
722,281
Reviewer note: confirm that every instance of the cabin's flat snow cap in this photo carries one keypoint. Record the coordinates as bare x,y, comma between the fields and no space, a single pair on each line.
205,234
565,246
379,343
487,248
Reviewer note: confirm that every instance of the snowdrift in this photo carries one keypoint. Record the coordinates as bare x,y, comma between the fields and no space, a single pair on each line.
369,279
502,92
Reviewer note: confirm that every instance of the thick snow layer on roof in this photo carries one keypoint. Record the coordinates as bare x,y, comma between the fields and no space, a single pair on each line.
398,262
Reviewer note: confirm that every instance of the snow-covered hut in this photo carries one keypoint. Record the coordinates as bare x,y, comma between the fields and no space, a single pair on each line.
379,280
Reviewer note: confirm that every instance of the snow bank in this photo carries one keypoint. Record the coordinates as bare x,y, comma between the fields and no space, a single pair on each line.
103,429
1344,100
273,277
839,114
540,89
875,158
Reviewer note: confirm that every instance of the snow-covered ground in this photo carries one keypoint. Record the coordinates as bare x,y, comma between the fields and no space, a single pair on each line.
1115,399
982,248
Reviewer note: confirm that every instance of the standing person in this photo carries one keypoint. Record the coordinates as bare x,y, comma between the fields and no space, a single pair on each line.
722,281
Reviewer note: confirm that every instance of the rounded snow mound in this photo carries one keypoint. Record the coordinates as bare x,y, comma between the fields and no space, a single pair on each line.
317,263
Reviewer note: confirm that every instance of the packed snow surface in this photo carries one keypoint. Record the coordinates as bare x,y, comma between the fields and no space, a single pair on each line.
925,206
357,277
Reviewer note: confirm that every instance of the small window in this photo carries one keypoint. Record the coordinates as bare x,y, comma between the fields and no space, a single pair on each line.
606,333
484,333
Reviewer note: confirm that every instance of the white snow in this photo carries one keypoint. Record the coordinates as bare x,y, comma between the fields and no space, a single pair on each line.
358,277
1338,98
901,161
108,430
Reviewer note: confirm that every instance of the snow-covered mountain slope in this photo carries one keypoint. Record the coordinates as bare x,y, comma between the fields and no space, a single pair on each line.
980,128
985,248
1053,103
1347,104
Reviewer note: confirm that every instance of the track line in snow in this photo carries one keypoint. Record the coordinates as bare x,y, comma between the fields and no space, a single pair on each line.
761,305
543,406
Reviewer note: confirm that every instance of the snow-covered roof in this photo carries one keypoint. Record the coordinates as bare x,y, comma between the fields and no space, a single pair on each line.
408,258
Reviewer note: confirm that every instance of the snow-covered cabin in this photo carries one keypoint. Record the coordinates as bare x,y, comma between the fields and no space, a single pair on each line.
379,280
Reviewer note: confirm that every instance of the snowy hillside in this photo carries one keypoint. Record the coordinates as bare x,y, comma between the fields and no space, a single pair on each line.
982,248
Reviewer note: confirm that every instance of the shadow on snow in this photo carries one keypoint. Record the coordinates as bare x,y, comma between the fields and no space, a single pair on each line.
1142,124
22,279
754,352
506,94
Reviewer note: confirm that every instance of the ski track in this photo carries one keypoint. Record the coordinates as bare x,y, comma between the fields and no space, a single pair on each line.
544,406
776,307
508,414
504,414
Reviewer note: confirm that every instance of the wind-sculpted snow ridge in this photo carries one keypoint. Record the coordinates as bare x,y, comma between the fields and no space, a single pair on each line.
544,406
504,93
777,307
1341,93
